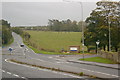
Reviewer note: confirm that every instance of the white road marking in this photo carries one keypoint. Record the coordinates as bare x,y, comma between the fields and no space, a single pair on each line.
62,61
58,62
99,72
50,57
16,75
12,74
71,75
23,77
27,49
18,45
58,59
3,71
9,73
36,59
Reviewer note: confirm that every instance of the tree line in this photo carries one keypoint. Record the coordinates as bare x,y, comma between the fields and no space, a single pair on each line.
66,25
57,25
106,16
26,36
6,32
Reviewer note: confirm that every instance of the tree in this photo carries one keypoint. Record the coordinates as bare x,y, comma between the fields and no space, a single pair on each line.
106,12
65,25
6,32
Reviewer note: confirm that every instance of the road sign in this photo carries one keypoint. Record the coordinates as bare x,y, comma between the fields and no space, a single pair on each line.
10,49
74,49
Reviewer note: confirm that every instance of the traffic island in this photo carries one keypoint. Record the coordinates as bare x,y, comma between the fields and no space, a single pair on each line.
56,69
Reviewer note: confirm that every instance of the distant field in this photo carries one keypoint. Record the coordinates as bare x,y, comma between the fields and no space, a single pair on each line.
55,40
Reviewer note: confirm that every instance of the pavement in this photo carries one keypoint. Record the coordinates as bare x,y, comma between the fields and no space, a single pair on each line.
75,59
113,66
68,63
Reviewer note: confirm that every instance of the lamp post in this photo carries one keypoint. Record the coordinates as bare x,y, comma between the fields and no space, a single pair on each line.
97,43
109,32
82,28
81,25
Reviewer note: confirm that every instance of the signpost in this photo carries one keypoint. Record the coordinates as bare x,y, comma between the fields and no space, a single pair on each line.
97,42
10,49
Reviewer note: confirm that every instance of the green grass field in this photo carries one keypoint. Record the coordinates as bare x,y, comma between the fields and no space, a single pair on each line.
99,60
55,40
46,52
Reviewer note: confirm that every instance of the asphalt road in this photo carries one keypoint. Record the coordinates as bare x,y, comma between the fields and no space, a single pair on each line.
11,70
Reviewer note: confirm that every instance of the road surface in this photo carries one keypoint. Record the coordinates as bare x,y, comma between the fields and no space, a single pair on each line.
12,70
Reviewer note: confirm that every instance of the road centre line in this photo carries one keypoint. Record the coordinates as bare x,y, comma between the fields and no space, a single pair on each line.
13,74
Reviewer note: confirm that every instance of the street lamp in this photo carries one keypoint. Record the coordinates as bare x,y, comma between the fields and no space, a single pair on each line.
81,25
83,51
82,28
109,34
97,43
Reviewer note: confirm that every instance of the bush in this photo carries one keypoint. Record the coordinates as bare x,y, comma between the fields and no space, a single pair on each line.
81,74
90,48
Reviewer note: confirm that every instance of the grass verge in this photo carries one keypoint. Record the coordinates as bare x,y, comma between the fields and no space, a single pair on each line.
99,60
46,52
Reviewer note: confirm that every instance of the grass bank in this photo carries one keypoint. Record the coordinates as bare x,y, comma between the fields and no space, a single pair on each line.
99,60
46,52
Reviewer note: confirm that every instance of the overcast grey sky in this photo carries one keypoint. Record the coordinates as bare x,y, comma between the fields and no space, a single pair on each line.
38,13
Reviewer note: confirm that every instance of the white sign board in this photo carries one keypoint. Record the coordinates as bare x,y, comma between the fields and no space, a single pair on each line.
73,48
